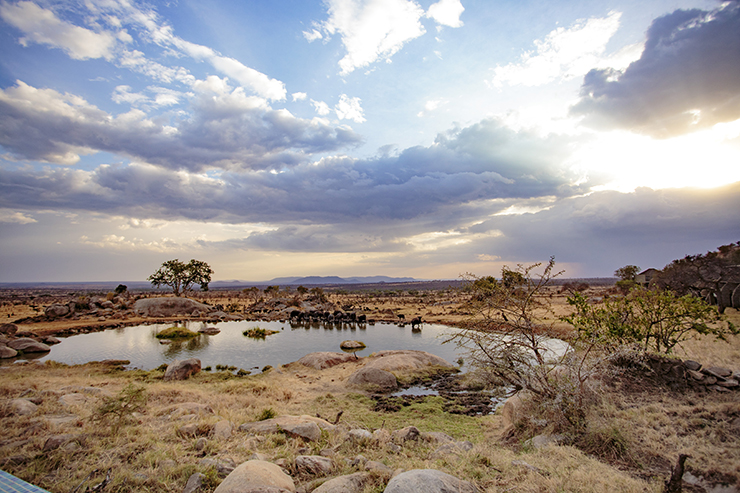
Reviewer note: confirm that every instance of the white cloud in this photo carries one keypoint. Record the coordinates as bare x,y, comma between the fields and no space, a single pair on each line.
312,35
563,54
446,12
10,216
299,96
137,62
349,109
44,27
371,29
321,107
122,94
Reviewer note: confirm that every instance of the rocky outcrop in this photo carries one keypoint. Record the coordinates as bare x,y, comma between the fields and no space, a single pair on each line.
256,476
8,329
373,377
6,352
182,370
395,360
352,345
428,481
325,359
169,307
28,345
352,483
306,427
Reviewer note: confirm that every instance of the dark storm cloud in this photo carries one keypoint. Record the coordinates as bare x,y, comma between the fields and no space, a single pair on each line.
44,125
687,78
447,180
647,227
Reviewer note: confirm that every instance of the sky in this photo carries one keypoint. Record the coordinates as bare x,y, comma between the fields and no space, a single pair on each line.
417,138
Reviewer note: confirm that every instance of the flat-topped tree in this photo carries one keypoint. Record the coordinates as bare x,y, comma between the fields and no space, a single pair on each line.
181,276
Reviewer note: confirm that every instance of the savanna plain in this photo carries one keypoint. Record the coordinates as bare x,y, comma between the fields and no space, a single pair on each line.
620,427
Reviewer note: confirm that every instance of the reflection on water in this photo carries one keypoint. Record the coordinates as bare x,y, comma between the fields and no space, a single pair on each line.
139,344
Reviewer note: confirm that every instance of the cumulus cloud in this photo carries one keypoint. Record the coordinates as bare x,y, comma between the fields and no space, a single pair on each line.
563,54
11,216
370,29
349,109
446,13
299,96
227,129
321,107
687,78
44,27
465,170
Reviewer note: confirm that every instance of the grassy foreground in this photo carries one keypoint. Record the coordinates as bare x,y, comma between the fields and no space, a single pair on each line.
636,432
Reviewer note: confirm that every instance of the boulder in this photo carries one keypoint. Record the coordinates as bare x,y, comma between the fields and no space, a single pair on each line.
222,430
223,466
716,371
375,377
168,307
359,434
73,399
453,448
406,359
352,483
512,409
6,352
306,427
428,481
28,345
56,310
22,407
352,345
325,359
315,465
406,434
194,484
252,475
181,370
8,329
379,468
209,330
56,441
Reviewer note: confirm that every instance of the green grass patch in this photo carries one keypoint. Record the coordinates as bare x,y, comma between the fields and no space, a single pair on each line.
259,333
176,333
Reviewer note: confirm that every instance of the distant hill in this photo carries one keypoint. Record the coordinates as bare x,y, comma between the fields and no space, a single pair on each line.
340,280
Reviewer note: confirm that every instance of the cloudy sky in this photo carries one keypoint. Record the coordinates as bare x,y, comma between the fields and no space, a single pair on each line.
365,137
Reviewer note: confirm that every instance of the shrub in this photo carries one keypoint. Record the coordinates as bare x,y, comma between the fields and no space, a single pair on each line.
655,319
117,411
266,413
176,333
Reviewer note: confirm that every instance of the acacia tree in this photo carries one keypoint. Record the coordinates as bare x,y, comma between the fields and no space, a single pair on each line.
181,276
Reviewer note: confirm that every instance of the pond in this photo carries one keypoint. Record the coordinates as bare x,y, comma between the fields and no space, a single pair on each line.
230,347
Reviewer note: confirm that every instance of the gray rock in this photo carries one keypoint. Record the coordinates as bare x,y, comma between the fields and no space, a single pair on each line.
378,467
166,464
692,365
542,441
352,345
168,307
428,481
22,407
405,434
252,475
200,444
56,441
394,360
224,467
453,448
373,377
352,483
314,464
325,359
74,399
56,310
437,437
222,430
28,345
210,330
195,483
718,372
360,434
6,352
696,375
181,370
294,425
729,383
8,329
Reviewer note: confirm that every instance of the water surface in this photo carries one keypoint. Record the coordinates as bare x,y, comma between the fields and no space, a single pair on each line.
139,345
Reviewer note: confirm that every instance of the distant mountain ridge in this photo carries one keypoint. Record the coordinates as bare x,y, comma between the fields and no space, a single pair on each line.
338,280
